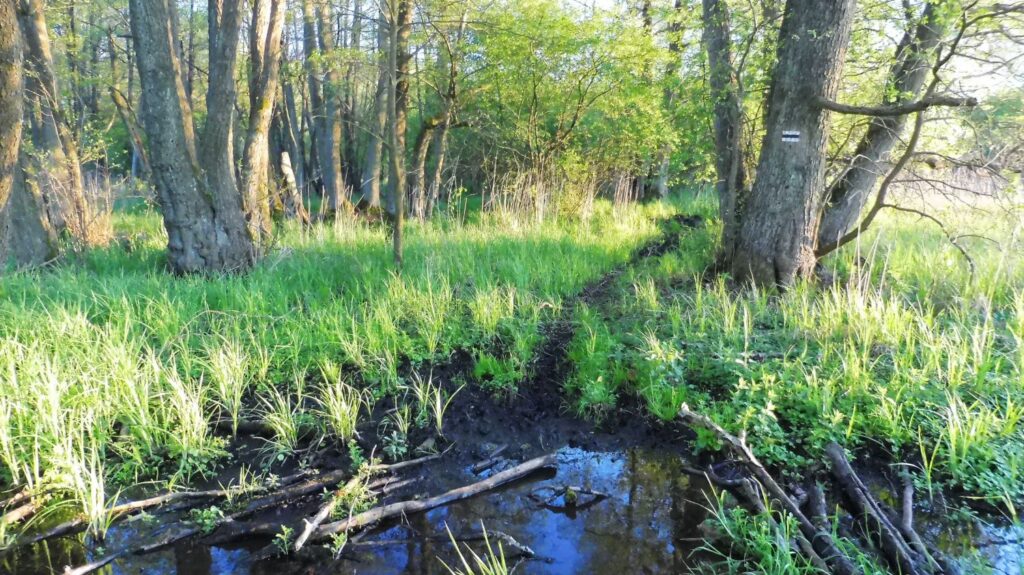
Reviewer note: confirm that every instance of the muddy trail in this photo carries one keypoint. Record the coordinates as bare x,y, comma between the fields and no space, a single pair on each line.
618,499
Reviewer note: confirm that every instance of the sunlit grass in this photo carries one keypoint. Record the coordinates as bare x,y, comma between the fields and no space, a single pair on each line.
113,372
908,350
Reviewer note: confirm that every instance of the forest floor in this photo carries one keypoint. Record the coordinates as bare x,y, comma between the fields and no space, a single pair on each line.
576,339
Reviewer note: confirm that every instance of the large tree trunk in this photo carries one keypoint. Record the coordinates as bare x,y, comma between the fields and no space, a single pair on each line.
55,163
728,124
26,237
11,88
779,227
199,198
265,51
370,184
848,195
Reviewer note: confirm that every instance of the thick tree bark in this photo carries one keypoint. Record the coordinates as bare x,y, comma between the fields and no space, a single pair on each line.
54,164
198,196
728,124
848,195
11,87
26,237
370,184
265,51
779,227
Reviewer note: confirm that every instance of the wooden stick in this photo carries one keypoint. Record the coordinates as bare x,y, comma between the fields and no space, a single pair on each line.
118,512
491,461
822,542
896,550
378,514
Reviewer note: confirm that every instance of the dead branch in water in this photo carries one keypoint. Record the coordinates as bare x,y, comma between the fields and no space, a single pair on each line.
821,542
378,514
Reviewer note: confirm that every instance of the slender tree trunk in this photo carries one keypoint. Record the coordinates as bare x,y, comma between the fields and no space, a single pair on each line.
54,164
728,124
124,110
417,179
291,131
265,51
352,96
332,108
440,147
779,228
400,12
675,31
319,96
198,196
848,195
370,184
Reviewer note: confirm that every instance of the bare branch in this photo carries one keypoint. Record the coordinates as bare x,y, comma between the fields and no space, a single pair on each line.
899,109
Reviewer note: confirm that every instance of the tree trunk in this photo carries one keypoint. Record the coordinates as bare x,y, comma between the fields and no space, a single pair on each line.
417,190
728,123
265,50
400,12
11,88
322,106
124,110
370,184
440,147
55,162
675,41
26,237
847,196
352,93
292,134
779,227
198,196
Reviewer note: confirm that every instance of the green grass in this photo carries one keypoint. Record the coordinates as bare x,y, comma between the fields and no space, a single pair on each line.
114,371
908,351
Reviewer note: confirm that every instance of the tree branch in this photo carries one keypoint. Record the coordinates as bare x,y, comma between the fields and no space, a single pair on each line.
899,109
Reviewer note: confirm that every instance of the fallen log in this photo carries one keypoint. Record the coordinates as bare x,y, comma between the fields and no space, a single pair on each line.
822,543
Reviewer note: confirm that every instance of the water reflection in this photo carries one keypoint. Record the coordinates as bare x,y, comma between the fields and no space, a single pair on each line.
648,524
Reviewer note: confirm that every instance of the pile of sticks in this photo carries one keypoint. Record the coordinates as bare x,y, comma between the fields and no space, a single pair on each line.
893,538
245,521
